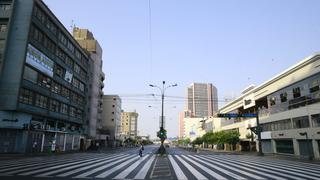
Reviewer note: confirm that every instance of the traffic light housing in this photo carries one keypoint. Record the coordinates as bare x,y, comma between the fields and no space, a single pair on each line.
162,134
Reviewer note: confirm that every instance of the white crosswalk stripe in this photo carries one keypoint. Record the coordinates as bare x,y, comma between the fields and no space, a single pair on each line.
177,169
86,166
127,171
144,170
205,169
131,166
196,173
279,168
252,169
219,169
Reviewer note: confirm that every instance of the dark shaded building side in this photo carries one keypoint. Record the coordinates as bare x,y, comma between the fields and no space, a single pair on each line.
44,77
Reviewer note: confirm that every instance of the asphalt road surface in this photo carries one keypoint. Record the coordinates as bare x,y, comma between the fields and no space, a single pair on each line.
178,164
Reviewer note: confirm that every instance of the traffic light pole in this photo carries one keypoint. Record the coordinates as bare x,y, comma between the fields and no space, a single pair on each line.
162,130
260,153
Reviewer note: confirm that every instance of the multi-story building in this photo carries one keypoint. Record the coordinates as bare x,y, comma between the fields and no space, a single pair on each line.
87,41
201,100
129,125
43,82
181,125
288,107
111,118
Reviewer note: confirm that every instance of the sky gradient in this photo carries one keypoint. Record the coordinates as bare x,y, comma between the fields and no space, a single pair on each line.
228,43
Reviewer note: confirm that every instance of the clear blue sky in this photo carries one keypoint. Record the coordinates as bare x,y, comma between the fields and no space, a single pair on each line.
229,43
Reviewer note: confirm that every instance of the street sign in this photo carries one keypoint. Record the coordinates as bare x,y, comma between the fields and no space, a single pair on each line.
235,115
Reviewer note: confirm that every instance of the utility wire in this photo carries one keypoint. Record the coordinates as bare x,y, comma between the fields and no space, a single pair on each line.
150,41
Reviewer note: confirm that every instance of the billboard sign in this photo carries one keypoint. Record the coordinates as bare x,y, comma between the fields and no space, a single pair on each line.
68,76
249,101
38,60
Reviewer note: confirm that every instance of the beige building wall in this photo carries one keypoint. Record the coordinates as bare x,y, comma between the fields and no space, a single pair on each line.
111,116
86,40
129,125
202,100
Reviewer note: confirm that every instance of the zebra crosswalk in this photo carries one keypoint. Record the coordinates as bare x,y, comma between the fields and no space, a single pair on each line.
240,167
183,166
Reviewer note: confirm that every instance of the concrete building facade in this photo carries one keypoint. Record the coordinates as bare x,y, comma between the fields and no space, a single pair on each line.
129,125
202,100
87,41
43,80
288,107
111,119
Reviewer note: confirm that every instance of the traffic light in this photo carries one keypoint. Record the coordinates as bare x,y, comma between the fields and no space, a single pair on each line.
162,134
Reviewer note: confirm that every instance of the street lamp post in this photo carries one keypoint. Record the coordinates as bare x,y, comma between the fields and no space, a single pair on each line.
162,90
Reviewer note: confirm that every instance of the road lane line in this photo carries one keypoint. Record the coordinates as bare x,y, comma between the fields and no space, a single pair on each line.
177,169
196,173
128,170
144,170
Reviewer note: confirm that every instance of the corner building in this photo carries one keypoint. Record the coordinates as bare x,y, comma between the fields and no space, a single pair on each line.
43,81
288,107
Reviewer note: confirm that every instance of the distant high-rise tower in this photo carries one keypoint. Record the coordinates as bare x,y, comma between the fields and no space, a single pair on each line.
201,100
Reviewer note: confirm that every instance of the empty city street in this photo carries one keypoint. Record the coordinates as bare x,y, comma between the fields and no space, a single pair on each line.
177,164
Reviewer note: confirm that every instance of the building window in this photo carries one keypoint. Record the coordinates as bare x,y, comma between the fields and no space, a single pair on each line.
284,146
284,97
272,101
113,106
72,111
56,88
61,55
296,92
64,108
26,96
54,105
69,61
281,125
2,43
59,71
76,68
314,86
79,113
70,46
75,82
62,39
65,92
3,27
5,7
301,122
44,81
30,74
41,101
315,120
78,55
81,86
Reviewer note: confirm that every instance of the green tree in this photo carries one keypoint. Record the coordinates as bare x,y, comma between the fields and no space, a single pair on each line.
197,141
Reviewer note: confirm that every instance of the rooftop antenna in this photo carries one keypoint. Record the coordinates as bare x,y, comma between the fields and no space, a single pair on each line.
72,26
